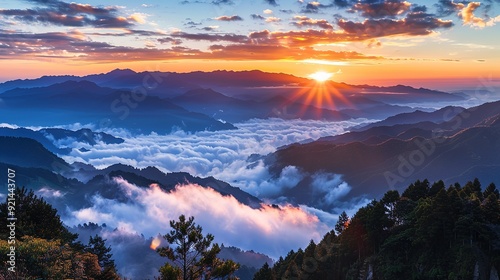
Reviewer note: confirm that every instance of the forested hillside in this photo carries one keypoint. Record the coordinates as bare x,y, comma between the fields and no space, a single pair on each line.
43,248
427,232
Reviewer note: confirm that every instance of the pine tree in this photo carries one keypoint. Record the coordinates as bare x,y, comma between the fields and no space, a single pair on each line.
342,223
36,218
265,273
97,246
192,254
491,189
389,200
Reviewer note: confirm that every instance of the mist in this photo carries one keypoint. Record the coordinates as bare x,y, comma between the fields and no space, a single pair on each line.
270,230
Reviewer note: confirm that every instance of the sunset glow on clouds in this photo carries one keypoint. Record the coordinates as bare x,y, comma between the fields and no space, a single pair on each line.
269,230
191,32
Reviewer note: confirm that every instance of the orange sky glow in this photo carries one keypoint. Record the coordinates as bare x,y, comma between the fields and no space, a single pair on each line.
416,43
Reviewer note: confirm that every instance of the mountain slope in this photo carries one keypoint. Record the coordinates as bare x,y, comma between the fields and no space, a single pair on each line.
447,123
232,109
42,169
48,136
438,116
371,167
27,152
85,102
149,175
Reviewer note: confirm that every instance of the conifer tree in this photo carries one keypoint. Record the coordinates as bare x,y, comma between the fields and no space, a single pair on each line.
192,255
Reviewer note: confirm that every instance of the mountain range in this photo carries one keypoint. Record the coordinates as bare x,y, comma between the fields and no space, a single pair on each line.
370,159
165,101
408,143
43,169
49,137
386,157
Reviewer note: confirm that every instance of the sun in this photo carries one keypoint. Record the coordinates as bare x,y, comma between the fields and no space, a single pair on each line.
321,76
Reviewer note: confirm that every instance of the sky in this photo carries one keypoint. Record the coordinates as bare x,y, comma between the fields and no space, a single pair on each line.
383,42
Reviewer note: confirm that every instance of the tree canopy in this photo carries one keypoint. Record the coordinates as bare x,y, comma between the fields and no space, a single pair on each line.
429,232
44,247
192,255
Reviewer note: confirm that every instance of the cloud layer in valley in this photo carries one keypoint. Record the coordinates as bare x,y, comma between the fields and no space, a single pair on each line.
234,156
224,155
270,230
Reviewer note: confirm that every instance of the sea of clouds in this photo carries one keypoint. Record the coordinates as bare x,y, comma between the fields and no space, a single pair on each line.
221,154
224,155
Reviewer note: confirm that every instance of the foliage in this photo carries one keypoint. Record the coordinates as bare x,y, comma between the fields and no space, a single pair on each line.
45,249
429,232
192,255
342,223
35,217
40,258
97,246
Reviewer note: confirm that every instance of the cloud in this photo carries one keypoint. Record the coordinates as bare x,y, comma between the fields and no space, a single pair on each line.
255,16
8,125
222,155
342,3
184,2
73,14
271,2
192,23
270,230
46,192
210,28
268,11
229,18
170,40
273,19
275,52
231,156
131,228
132,254
222,2
314,7
465,11
447,7
468,17
263,45
209,37
138,17
384,9
415,24
332,187
303,21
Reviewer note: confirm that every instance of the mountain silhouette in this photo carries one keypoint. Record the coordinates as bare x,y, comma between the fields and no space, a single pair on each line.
27,152
233,109
381,158
86,102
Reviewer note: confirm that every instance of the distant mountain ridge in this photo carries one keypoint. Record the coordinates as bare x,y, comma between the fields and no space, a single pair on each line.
442,115
231,96
85,102
172,81
46,137
232,109
385,157
252,78
29,153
